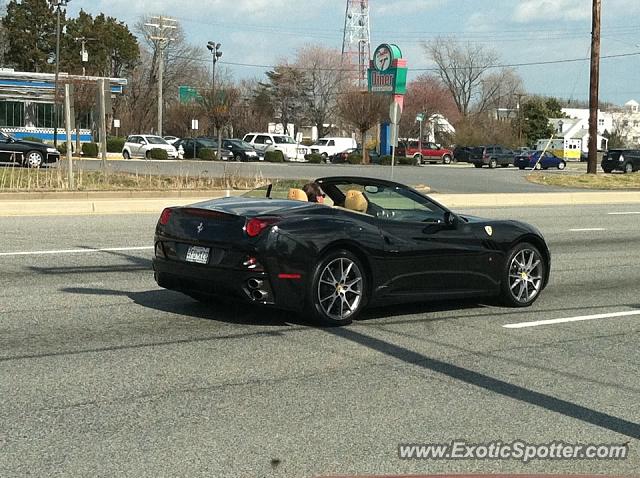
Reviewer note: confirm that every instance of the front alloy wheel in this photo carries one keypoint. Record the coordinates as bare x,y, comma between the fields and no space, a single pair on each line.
524,275
338,288
446,159
628,168
34,159
562,165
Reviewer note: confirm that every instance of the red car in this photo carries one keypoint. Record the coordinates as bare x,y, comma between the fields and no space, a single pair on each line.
430,153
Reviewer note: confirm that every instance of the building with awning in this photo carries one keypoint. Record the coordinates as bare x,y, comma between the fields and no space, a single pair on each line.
27,104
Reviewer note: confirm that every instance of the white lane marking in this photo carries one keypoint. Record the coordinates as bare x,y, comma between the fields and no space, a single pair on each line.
521,325
587,229
623,213
76,251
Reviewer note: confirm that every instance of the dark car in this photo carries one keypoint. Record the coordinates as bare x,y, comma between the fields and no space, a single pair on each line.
242,151
26,153
192,146
374,156
371,242
625,160
539,160
461,153
491,155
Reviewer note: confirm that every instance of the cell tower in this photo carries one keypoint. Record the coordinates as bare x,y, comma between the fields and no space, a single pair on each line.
356,42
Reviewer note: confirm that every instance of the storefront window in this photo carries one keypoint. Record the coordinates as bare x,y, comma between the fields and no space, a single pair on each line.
44,116
11,113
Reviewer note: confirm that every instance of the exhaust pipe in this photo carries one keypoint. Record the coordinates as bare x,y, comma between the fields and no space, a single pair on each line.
254,283
258,294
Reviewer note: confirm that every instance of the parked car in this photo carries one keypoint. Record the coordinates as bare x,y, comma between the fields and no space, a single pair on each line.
430,152
491,155
625,160
193,146
331,146
374,156
242,151
25,153
539,160
461,153
171,139
381,243
278,142
140,145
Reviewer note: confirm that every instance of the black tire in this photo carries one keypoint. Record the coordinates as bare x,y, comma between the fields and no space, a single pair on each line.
148,154
521,167
446,159
477,165
237,157
492,163
562,165
323,296
33,159
511,270
419,158
628,168
126,155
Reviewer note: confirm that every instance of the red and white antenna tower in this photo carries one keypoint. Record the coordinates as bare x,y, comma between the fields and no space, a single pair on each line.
356,42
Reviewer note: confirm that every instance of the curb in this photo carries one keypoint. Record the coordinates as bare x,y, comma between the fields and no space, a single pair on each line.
110,203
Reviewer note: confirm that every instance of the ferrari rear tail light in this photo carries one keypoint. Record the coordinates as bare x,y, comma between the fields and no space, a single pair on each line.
164,217
256,225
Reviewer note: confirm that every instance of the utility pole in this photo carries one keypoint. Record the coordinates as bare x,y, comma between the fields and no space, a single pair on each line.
68,94
216,53
102,121
162,26
594,86
84,54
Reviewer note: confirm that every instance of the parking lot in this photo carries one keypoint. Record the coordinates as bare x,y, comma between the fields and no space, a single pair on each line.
104,373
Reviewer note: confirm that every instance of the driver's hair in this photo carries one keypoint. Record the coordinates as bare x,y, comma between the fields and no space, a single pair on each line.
313,191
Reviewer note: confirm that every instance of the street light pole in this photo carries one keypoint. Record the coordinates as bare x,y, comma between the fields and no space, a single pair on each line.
216,53
58,4
162,28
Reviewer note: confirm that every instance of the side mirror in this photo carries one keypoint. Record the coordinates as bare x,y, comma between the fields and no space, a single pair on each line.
451,219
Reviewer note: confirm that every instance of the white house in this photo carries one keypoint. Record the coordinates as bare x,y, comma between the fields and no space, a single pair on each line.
626,123
577,128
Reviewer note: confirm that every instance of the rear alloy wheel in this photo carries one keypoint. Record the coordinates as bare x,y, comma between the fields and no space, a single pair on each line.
562,165
628,168
126,155
237,157
338,288
492,163
33,159
523,275
446,159
418,158
538,166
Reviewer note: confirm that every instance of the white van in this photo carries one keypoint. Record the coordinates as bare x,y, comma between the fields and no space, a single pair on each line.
330,146
278,142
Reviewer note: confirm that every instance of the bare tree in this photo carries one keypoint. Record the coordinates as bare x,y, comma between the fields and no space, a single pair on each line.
253,110
286,90
499,90
218,108
461,67
362,110
323,83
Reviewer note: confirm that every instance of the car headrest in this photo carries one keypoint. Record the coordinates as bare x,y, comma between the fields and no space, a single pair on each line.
355,201
297,195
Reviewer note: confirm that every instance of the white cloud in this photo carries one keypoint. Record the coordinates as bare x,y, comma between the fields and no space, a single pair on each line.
407,7
552,11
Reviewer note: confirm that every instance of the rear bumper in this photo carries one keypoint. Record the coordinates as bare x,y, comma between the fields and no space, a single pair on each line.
249,286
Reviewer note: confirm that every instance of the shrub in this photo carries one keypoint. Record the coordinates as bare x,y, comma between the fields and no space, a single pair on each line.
158,153
90,150
315,158
385,160
354,158
403,160
62,148
207,154
32,138
115,144
274,156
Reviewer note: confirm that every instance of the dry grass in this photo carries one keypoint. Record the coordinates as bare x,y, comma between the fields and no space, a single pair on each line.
21,179
588,181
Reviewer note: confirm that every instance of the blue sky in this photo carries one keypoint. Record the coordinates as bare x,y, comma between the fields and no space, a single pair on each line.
261,32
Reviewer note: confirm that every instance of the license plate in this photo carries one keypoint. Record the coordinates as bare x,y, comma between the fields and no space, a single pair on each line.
198,254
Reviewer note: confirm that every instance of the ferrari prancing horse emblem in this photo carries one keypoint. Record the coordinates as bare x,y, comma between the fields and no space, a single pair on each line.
489,230
200,228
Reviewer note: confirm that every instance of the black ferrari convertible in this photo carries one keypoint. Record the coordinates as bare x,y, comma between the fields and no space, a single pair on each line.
372,242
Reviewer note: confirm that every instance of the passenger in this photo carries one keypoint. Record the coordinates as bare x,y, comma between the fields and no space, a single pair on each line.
313,192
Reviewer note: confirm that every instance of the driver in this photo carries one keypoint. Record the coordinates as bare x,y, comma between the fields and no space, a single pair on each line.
313,192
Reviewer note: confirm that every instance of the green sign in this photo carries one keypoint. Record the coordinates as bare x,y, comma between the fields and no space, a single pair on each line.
388,70
188,94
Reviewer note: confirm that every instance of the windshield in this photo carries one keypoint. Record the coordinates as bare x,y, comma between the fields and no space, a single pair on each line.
156,140
283,139
322,142
238,143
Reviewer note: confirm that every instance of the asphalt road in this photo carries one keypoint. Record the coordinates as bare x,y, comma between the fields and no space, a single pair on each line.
457,178
104,374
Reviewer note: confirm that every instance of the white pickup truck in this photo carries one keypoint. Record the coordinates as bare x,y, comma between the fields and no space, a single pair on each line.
291,150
